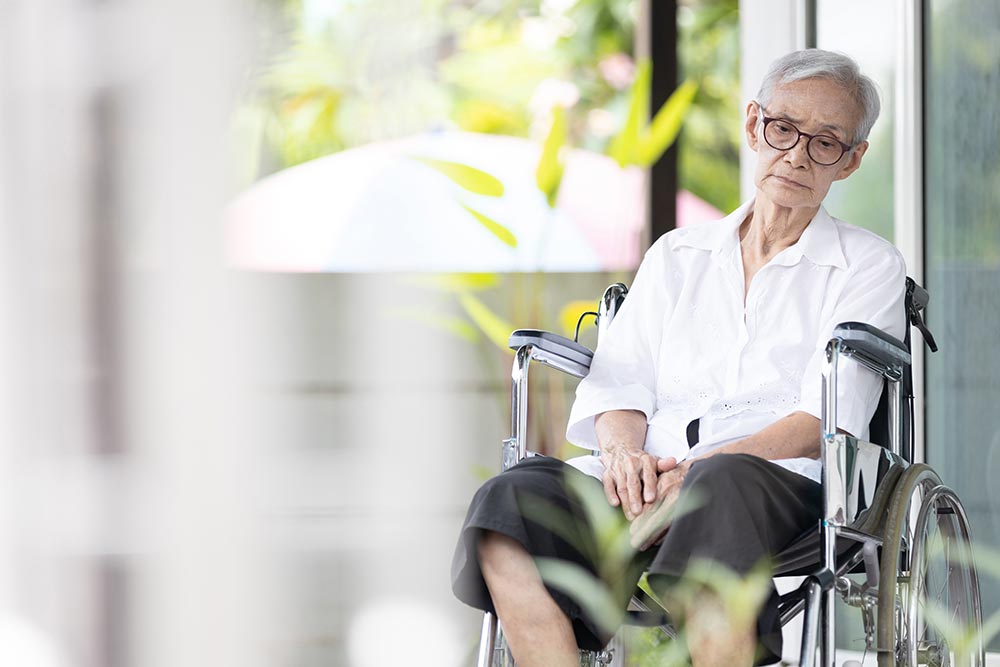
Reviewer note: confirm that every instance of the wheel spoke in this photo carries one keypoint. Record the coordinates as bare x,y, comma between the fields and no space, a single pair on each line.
928,594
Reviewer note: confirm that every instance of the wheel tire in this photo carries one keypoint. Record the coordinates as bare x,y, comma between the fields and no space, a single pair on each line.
922,509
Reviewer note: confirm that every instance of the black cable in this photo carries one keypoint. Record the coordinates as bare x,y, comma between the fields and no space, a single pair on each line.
576,336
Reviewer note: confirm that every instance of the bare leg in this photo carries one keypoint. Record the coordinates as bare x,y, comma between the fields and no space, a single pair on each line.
537,630
715,637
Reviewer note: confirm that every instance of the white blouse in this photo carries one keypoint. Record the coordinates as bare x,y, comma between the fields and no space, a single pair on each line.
684,346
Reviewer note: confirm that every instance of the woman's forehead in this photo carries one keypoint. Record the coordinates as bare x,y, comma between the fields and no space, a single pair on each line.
819,104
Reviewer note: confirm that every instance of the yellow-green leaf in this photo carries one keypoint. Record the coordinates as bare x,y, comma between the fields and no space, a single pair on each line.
585,589
571,313
494,227
624,146
662,132
469,178
491,324
456,282
449,323
548,175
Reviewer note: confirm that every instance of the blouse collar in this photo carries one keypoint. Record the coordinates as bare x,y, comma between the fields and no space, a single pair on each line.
820,242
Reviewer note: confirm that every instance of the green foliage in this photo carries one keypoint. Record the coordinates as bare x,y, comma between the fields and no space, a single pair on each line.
493,227
589,592
602,596
548,175
458,282
666,124
709,147
497,330
469,178
624,146
641,143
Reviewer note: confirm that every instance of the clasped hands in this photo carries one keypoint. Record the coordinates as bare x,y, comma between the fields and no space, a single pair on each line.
646,487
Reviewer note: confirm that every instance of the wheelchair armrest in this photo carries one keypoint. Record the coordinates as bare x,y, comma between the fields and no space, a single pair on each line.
554,350
873,347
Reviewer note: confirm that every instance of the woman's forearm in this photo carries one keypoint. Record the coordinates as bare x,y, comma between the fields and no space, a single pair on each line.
620,429
793,436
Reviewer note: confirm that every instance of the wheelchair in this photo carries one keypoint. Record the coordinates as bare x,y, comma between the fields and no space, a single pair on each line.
893,541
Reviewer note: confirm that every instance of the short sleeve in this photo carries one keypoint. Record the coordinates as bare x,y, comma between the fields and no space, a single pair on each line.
623,372
873,294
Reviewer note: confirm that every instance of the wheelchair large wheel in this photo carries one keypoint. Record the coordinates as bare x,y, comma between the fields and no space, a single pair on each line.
929,611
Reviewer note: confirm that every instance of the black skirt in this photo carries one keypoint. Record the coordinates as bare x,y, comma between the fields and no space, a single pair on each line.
747,510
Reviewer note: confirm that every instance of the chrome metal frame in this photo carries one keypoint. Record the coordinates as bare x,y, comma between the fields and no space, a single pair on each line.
838,480
908,172
917,556
515,448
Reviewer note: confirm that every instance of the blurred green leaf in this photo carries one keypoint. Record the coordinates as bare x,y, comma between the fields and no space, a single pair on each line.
586,590
482,473
491,324
571,313
457,282
486,117
548,175
662,132
611,530
624,146
449,323
561,522
741,596
961,637
494,227
469,178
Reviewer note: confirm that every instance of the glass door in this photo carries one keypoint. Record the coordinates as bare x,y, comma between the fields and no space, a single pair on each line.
962,261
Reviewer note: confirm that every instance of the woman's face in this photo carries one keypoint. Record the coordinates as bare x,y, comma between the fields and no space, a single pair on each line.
790,178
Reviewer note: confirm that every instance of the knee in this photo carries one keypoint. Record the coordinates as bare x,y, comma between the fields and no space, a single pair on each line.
498,552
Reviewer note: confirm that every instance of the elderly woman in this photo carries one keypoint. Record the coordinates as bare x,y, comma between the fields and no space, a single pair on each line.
708,381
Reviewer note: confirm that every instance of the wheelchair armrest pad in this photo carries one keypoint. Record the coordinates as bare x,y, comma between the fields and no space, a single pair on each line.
873,342
553,344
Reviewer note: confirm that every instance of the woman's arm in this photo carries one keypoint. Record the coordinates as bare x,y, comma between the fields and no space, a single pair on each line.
793,436
630,473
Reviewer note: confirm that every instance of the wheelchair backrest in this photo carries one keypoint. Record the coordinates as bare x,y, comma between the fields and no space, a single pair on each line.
914,303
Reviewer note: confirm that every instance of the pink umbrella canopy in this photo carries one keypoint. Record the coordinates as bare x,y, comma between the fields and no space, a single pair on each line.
381,208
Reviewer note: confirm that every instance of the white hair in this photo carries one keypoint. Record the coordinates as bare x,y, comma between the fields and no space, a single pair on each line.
836,67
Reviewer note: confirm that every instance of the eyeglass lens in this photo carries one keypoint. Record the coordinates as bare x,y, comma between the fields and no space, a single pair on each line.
783,136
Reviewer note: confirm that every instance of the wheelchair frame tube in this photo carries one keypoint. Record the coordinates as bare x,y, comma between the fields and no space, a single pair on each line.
486,638
810,623
608,307
896,407
519,401
834,507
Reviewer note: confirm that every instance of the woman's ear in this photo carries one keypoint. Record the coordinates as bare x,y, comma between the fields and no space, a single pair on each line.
853,162
750,126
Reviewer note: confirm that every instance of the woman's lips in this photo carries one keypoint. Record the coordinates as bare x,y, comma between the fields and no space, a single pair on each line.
789,181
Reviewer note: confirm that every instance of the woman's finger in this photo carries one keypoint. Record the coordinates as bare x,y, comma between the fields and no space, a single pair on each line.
633,484
649,465
609,488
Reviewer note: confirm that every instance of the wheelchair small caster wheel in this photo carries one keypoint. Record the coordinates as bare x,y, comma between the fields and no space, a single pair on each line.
604,658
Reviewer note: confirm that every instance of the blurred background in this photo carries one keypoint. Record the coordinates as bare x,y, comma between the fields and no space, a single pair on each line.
260,259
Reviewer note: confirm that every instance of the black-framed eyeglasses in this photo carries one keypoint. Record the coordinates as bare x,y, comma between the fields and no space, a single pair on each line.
821,148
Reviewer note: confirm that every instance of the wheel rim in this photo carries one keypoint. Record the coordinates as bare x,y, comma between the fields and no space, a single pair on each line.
926,565
944,604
